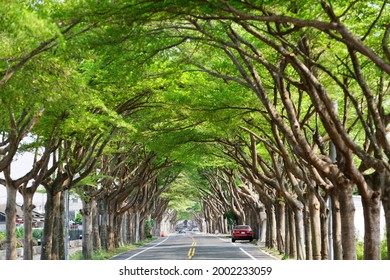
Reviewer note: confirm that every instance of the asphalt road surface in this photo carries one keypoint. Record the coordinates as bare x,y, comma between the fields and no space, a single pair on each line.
197,246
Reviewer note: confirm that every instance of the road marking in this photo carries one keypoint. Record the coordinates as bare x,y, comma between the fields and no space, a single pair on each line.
245,252
191,253
129,258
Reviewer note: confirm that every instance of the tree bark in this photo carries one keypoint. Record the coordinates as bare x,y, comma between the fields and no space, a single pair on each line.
137,226
118,222
87,242
315,226
95,227
308,235
10,213
281,226
386,210
347,214
51,210
271,227
61,230
299,234
103,223
324,218
372,244
292,234
27,224
336,226
371,209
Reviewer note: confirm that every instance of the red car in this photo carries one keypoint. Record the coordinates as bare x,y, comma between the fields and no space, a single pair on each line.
242,232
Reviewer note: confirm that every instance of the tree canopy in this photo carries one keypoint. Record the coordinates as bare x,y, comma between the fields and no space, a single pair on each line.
210,108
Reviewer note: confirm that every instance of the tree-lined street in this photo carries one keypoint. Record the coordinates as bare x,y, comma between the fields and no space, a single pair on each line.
197,246
273,114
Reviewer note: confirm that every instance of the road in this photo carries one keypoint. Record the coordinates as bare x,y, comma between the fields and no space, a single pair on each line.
197,246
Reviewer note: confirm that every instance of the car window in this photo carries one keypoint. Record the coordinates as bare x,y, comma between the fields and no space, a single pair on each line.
242,227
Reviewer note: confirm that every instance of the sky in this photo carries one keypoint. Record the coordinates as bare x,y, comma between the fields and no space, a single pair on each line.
19,167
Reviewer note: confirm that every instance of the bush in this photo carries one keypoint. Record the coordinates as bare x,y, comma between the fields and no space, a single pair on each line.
2,235
360,250
384,248
37,234
148,228
20,232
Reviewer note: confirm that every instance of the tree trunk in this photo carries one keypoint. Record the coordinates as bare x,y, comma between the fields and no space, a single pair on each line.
111,232
57,232
87,242
299,234
142,233
281,226
271,227
263,231
292,232
307,230
128,227
315,226
371,202
372,236
51,210
324,219
118,231
137,227
27,224
10,214
61,229
287,232
387,220
347,213
103,224
336,226
386,210
95,226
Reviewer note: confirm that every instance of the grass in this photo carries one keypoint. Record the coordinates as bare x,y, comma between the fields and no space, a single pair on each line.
106,255
275,253
360,250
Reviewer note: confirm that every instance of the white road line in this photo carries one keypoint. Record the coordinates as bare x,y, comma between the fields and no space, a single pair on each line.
224,240
245,252
147,249
234,244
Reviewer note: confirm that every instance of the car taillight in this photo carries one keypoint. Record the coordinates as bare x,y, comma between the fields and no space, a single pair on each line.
250,232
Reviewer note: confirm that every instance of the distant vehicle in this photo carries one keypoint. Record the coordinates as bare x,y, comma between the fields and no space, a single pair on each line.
182,231
242,232
195,229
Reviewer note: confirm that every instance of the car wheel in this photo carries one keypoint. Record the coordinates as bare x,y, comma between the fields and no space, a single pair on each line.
250,240
233,240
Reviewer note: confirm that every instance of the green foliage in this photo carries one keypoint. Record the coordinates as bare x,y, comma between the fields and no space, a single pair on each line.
106,255
360,249
78,219
148,228
2,235
20,232
183,196
37,233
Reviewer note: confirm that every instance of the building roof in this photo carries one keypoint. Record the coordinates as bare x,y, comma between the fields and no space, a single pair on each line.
19,212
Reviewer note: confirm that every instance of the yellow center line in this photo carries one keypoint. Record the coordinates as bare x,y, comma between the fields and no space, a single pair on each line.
191,251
